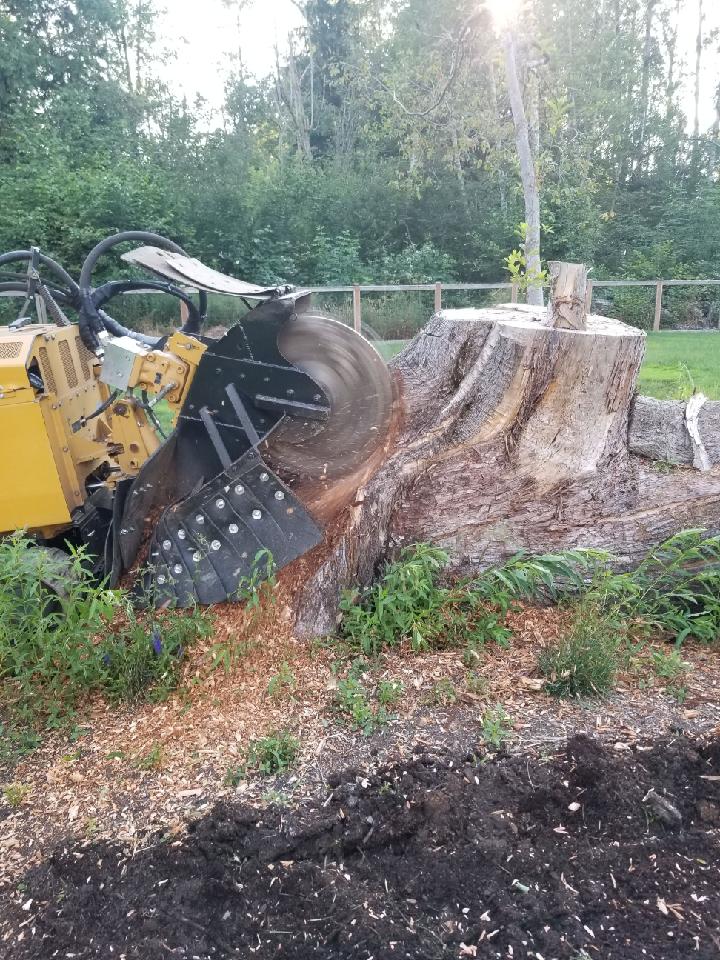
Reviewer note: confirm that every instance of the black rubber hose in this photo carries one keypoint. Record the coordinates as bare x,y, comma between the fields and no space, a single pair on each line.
19,286
103,295
91,320
15,256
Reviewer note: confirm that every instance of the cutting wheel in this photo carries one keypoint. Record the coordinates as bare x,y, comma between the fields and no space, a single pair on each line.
358,385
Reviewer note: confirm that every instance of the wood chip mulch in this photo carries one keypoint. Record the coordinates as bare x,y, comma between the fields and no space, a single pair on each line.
130,772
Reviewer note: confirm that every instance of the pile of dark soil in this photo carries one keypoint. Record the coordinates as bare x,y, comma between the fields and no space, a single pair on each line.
563,857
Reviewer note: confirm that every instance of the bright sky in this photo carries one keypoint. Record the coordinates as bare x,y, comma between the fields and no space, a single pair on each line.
204,36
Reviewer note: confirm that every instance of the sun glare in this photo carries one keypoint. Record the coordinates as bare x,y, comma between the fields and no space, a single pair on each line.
503,12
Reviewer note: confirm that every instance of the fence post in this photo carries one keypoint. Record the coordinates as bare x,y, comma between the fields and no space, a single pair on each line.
438,297
588,297
658,305
514,293
357,309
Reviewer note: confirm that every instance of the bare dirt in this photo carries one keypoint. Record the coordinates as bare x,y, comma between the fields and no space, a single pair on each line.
542,857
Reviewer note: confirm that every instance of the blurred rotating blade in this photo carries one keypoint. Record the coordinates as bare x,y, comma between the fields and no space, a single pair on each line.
359,387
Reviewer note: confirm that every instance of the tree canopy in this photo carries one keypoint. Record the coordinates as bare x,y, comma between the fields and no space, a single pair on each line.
380,149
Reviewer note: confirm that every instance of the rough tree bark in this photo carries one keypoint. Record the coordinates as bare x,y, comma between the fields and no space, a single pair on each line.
513,434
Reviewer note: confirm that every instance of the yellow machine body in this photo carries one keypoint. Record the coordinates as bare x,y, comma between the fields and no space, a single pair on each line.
52,440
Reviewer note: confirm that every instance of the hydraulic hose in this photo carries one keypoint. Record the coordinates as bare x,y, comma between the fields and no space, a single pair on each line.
93,320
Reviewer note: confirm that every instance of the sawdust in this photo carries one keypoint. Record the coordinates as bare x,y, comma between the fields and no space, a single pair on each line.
130,771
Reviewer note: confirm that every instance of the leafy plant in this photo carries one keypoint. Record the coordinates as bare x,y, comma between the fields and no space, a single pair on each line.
496,725
48,655
15,793
143,660
283,683
443,693
667,666
273,754
584,662
352,702
151,760
408,602
389,692
675,590
476,683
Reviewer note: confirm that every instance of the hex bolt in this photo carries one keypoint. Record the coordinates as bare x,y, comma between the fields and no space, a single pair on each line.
215,545
279,495
239,489
161,579
197,557
220,503
233,528
199,518
177,568
264,477
181,534
167,544
257,514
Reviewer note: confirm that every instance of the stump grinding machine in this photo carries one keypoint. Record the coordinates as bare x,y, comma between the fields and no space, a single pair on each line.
286,405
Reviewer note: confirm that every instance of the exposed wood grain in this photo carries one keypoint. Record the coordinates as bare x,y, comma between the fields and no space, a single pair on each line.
514,436
568,295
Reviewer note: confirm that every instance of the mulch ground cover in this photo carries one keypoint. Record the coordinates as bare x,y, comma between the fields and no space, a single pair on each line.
591,852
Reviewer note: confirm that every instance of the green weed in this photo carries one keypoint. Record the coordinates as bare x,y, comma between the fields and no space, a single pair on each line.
409,604
443,693
495,728
143,661
353,703
15,793
48,655
675,591
283,683
152,760
273,754
389,692
235,774
476,683
584,662
667,666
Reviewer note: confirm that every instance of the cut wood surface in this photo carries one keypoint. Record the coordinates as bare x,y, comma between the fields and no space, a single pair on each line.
568,295
512,435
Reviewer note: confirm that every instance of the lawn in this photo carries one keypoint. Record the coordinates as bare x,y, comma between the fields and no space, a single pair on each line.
675,364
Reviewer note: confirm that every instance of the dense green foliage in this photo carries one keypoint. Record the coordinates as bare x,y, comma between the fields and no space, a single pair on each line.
57,647
409,603
382,150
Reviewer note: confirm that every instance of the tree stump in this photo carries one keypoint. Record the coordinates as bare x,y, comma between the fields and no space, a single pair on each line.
510,435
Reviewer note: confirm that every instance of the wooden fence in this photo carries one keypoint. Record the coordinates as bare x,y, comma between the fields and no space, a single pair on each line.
357,291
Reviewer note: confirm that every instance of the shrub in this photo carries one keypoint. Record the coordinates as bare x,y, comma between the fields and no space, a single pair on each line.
584,662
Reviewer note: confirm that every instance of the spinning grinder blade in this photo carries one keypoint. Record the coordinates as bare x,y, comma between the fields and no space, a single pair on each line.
325,462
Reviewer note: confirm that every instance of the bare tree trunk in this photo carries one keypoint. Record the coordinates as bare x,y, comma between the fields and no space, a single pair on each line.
527,173
644,85
515,435
698,63
498,144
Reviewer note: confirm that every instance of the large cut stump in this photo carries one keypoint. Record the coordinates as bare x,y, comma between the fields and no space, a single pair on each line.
511,435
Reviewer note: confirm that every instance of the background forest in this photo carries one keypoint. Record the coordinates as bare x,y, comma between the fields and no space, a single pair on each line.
381,148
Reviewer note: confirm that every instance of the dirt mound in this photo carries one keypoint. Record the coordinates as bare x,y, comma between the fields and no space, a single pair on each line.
593,853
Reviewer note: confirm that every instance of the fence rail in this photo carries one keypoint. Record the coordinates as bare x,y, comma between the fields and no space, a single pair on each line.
359,289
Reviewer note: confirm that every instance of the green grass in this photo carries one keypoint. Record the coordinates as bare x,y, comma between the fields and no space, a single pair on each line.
677,363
